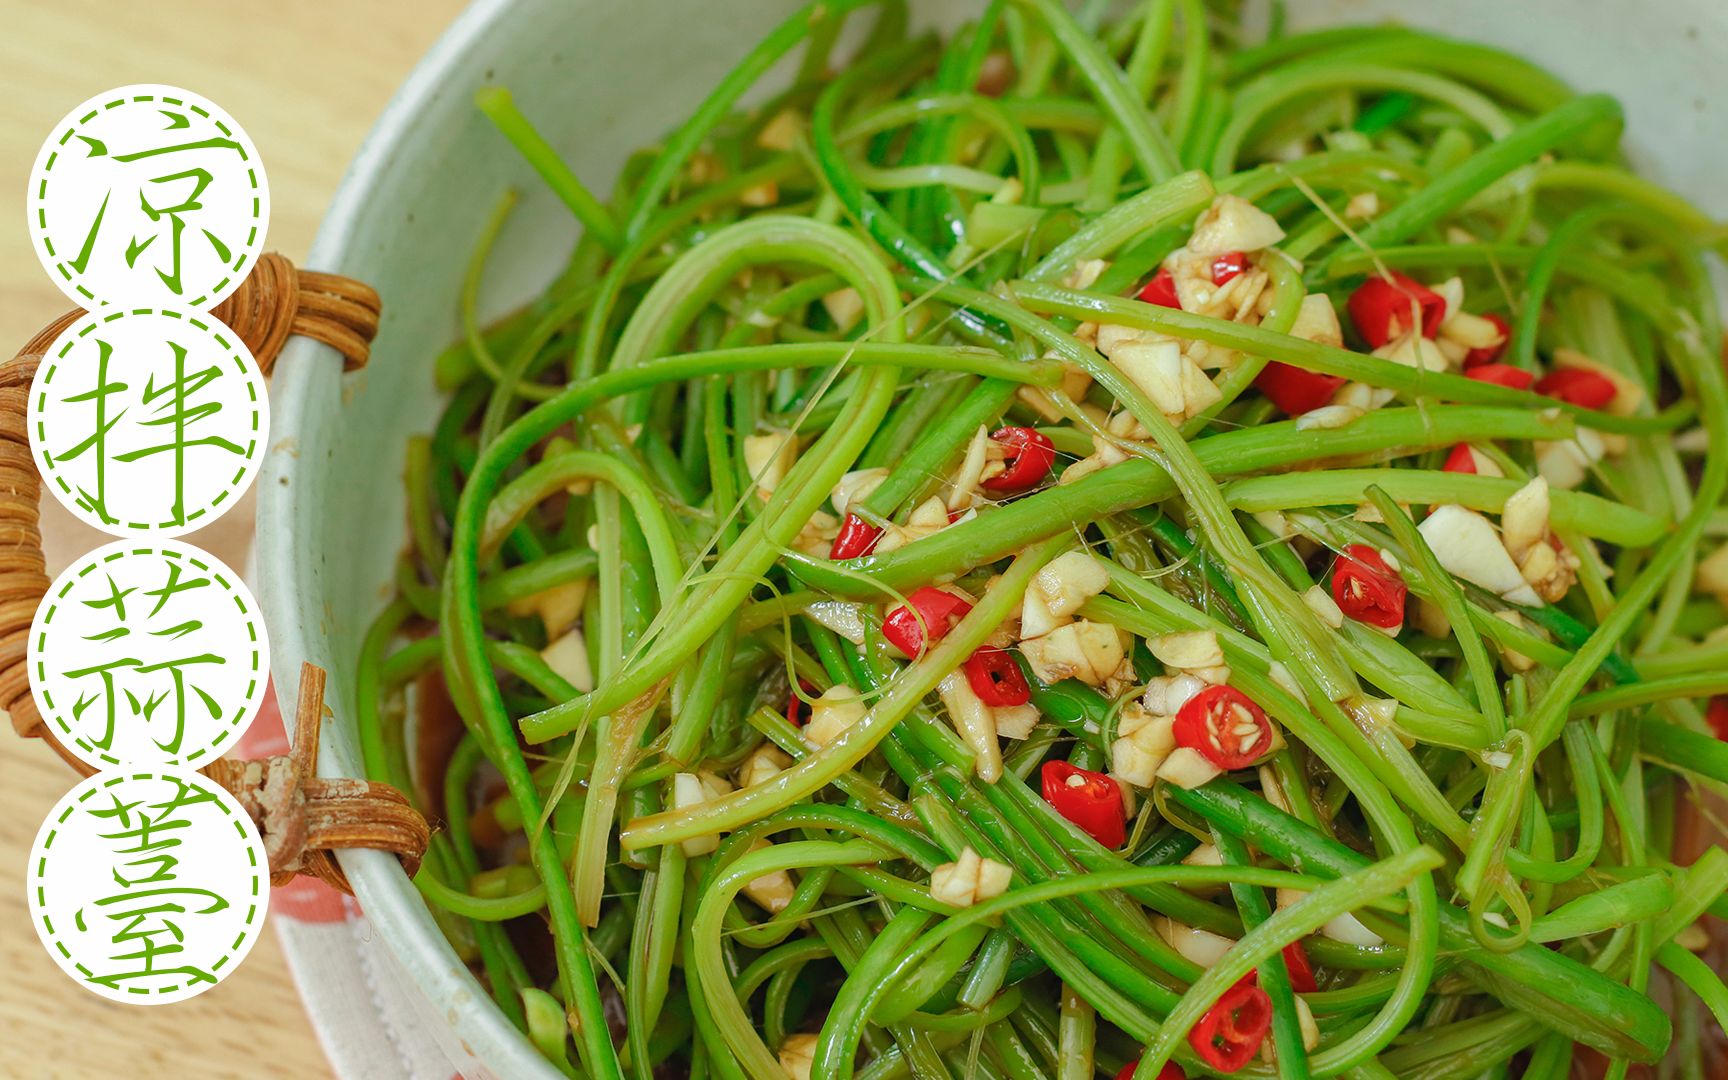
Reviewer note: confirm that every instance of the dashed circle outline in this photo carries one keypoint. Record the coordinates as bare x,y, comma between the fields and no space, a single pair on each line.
251,462
256,908
89,563
38,215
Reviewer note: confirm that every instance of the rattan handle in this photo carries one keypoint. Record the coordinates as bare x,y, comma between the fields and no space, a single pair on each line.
301,817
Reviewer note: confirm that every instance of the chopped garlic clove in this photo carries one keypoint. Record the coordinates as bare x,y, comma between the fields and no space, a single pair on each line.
1232,223
797,1055
568,658
1414,351
1036,618
1204,855
1346,927
1512,658
1156,368
781,132
975,722
1326,609
1566,463
1088,651
1112,337
1317,321
1467,547
837,709
1166,694
1188,651
768,458
1711,577
1186,767
558,607
1524,518
845,307
854,488
1328,417
929,514
1362,396
1016,721
1068,581
1196,945
840,616
691,790
1141,748
772,892
1362,206
964,488
763,765
1470,331
1281,677
1085,273
1305,1020
969,880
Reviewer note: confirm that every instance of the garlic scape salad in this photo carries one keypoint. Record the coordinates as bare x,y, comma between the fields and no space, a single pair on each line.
1098,543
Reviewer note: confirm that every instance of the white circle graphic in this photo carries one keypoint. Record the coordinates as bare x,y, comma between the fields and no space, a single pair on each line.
148,420
148,887
148,194
148,654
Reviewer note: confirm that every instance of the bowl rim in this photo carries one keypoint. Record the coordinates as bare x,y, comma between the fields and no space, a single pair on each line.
305,390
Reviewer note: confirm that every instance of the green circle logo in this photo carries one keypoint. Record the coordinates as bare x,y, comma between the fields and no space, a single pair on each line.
148,194
147,654
148,886
148,420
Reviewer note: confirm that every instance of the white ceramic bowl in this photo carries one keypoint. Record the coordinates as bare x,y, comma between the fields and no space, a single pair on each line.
601,77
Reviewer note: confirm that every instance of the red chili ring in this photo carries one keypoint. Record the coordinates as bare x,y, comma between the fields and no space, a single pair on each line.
1577,386
1230,1033
1501,375
1208,723
856,539
1161,290
1094,804
907,632
1030,457
1296,390
1381,309
996,678
1368,590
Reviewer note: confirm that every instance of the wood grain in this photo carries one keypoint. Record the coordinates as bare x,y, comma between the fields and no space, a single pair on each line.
306,79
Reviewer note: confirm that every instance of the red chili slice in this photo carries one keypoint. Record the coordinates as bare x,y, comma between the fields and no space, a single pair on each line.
1717,714
1161,290
1478,357
1225,726
905,632
1301,971
996,678
1368,590
1295,390
1170,1071
1577,386
1094,803
1501,375
1381,309
795,704
1461,460
857,538
1228,265
1031,455
1230,1033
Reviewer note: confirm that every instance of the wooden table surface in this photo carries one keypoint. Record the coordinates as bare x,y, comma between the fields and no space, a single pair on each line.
306,79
